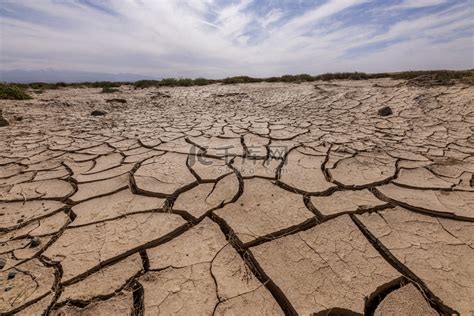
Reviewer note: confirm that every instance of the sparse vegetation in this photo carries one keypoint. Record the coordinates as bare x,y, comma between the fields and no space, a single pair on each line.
109,90
297,78
172,82
201,82
58,85
141,84
13,92
440,76
345,76
42,86
103,84
186,82
240,79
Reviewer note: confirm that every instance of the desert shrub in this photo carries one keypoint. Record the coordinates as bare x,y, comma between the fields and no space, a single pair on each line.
13,92
170,82
469,78
202,81
240,79
185,82
288,78
304,77
109,90
272,79
358,76
36,85
41,85
437,74
441,76
296,78
343,76
379,75
102,84
141,84
97,84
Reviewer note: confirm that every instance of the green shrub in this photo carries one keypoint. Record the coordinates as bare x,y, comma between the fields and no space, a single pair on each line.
172,82
109,90
437,74
202,81
13,92
240,79
102,84
185,82
272,79
343,76
97,84
304,77
442,76
288,78
41,85
169,82
141,84
296,78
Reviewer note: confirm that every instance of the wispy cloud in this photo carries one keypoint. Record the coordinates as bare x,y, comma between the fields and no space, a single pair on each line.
217,38
414,4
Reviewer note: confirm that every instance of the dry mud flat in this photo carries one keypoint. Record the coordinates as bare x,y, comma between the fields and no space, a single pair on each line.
256,199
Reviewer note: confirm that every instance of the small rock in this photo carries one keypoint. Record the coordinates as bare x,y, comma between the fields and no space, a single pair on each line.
8,288
3,122
18,118
2,263
385,111
11,275
35,242
98,113
472,181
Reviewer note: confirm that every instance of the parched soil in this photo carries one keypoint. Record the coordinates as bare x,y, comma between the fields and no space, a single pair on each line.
255,199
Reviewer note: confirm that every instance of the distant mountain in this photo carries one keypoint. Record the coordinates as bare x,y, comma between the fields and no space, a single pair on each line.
68,76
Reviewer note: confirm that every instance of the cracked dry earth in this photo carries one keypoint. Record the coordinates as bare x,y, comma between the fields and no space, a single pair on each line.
256,199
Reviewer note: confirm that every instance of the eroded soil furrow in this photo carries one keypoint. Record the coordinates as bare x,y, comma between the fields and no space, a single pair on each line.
432,299
253,265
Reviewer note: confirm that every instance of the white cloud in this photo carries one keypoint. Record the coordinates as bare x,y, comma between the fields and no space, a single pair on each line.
203,38
435,24
418,55
416,4
271,17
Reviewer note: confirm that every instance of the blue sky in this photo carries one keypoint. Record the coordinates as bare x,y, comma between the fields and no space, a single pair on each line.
218,38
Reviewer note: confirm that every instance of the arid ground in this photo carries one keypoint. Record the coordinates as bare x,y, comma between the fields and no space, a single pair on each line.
253,199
